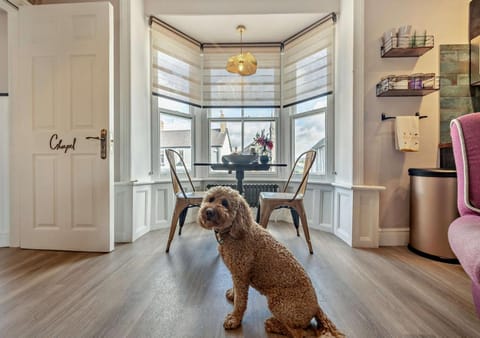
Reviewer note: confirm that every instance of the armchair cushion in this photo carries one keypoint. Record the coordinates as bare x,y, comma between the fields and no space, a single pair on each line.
464,239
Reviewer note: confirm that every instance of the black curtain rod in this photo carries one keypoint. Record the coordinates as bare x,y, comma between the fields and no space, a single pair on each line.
176,100
172,29
332,16
308,99
11,4
238,44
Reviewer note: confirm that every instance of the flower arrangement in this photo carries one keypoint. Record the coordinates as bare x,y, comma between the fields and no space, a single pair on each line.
263,140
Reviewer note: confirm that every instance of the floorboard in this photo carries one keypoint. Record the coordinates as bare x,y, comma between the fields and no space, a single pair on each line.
140,291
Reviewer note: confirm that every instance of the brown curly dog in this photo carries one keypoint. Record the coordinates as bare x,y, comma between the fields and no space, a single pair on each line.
256,259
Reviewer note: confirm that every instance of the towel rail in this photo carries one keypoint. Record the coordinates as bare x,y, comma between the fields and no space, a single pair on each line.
385,117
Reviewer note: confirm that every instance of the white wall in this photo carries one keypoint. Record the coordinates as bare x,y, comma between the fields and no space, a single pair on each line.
139,92
344,93
3,52
4,168
447,20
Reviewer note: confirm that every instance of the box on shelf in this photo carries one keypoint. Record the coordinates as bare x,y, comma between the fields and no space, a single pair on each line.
406,45
407,85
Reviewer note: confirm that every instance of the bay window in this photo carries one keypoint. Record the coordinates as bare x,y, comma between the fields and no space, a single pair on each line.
192,93
238,107
308,95
176,95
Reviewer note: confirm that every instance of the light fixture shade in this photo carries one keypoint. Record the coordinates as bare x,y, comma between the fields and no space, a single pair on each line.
243,64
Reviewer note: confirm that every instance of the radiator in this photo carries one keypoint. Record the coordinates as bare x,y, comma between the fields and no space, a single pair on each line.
251,191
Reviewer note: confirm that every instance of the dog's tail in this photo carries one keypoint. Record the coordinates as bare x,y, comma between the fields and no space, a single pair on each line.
325,327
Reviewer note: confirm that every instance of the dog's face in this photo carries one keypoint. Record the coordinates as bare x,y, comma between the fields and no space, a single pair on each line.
219,208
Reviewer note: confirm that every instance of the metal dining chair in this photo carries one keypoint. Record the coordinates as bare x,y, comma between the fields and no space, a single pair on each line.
184,199
269,201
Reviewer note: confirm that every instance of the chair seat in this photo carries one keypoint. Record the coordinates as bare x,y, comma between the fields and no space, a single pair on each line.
286,196
192,195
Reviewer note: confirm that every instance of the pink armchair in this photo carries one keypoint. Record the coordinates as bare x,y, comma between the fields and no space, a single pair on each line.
464,232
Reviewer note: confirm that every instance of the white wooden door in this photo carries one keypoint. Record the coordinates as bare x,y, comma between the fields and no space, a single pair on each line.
65,96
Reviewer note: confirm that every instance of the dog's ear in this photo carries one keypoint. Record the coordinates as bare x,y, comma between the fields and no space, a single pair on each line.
200,218
243,219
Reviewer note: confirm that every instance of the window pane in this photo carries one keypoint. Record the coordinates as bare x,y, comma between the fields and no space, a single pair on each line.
310,134
175,133
309,105
225,112
259,112
224,138
172,105
247,112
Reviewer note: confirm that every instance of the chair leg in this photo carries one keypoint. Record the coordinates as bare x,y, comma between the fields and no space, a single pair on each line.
258,214
173,225
295,219
303,218
265,216
181,220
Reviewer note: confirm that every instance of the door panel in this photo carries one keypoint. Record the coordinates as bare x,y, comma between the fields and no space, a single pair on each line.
65,86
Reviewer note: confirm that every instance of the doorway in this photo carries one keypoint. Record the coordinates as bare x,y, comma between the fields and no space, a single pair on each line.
5,99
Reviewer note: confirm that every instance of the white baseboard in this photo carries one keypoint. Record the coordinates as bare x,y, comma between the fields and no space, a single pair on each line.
321,227
140,232
159,226
4,240
394,236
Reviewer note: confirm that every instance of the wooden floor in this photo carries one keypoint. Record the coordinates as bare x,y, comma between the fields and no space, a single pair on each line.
140,291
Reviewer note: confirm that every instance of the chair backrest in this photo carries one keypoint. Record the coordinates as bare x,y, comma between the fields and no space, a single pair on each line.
465,133
306,159
173,158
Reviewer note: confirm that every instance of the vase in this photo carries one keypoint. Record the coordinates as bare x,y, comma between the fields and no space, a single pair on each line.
264,159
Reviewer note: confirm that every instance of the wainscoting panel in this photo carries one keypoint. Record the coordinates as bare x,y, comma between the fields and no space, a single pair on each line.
123,213
311,202
329,208
325,210
318,202
365,220
162,204
357,214
141,210
342,223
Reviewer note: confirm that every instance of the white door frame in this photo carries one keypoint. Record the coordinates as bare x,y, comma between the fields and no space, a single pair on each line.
9,232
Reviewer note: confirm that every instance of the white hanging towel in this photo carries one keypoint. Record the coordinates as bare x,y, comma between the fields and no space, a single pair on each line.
407,133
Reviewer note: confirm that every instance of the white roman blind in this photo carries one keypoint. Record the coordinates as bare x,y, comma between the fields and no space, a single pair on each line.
308,65
176,66
224,89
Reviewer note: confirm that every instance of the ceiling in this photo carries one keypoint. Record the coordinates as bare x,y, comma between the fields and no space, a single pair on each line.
215,21
259,27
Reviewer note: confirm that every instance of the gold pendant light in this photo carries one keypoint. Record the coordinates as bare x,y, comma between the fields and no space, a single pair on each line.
243,63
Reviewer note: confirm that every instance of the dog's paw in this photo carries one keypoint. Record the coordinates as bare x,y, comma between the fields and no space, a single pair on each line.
273,325
230,295
231,322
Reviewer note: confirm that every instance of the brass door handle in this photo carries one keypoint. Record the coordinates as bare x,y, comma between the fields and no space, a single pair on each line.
103,142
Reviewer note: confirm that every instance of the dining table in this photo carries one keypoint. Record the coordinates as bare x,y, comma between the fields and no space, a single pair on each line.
240,169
